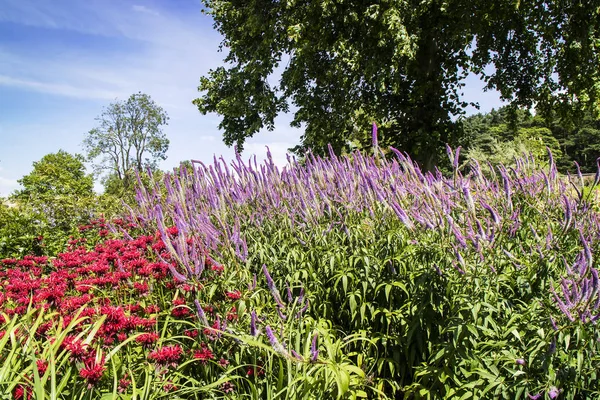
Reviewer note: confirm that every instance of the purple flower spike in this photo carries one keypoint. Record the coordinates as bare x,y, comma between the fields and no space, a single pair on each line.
278,347
252,286
201,314
456,156
271,286
375,143
297,356
450,154
314,351
568,213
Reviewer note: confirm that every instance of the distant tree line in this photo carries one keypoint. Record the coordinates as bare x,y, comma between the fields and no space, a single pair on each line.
501,135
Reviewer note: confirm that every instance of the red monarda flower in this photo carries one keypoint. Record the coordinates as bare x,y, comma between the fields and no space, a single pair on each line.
92,372
42,366
152,309
74,346
179,311
217,268
204,355
124,384
235,295
223,362
147,339
19,393
166,355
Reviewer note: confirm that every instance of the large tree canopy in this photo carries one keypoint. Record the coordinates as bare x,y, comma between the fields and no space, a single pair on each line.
400,63
128,138
57,195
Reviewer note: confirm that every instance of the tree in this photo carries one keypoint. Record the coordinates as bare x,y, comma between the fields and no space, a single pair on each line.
129,137
57,196
400,63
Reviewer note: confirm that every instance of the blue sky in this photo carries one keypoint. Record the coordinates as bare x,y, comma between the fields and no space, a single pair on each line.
62,61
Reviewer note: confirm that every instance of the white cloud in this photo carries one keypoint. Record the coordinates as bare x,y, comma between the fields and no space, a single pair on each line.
59,89
158,53
144,9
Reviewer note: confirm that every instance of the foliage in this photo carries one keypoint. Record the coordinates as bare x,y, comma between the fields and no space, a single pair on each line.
446,282
56,197
501,135
129,138
339,278
59,189
20,232
106,319
397,62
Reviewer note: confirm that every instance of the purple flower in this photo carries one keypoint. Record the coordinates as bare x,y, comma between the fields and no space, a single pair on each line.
314,351
553,392
201,314
520,361
456,155
278,347
271,286
492,212
534,396
374,136
297,356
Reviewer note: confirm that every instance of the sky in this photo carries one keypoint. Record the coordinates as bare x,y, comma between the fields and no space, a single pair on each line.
63,61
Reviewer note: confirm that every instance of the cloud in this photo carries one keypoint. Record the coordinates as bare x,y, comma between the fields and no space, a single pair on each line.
160,53
103,50
144,9
58,89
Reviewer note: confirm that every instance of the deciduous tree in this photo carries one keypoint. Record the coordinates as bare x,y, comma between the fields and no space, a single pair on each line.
400,63
128,138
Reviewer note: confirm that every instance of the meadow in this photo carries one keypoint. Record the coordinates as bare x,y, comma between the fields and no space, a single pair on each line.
349,277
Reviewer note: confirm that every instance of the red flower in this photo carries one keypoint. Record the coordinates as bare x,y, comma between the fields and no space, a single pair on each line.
124,384
92,372
19,393
227,387
192,333
42,366
166,355
232,314
152,309
218,269
204,355
235,295
147,339
75,346
141,287
180,311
